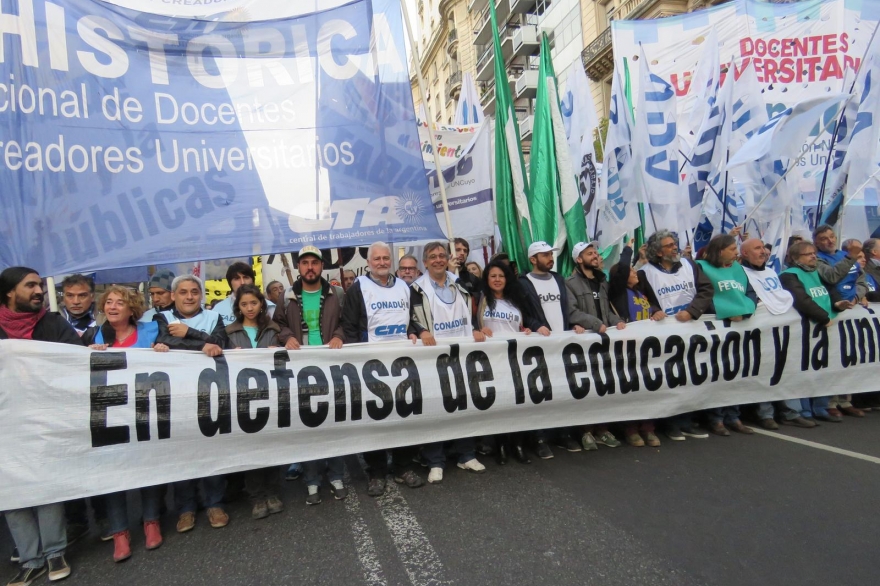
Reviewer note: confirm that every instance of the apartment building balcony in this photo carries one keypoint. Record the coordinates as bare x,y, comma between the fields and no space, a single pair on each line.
598,57
452,43
525,127
527,84
522,6
644,9
484,26
526,40
486,60
453,86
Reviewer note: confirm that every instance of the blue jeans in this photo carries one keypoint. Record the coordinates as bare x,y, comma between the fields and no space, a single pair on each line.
681,421
335,470
40,533
723,414
465,447
820,406
790,409
185,493
117,507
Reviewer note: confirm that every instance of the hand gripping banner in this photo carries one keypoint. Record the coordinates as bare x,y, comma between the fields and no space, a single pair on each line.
130,138
118,420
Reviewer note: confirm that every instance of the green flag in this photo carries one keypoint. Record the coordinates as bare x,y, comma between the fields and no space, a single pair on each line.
555,204
511,184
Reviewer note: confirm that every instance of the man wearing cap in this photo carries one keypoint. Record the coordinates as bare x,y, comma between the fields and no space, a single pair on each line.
160,294
548,296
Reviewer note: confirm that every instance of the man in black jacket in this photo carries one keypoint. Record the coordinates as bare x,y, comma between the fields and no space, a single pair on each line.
39,532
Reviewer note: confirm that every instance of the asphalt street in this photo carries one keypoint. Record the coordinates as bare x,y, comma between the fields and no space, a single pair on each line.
741,510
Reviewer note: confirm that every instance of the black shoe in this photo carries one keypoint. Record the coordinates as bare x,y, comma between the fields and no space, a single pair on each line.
568,444
75,532
313,498
543,450
58,568
376,487
521,456
339,491
26,576
15,558
483,448
293,473
409,478
502,455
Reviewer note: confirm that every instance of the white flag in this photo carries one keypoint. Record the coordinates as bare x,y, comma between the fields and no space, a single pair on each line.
579,115
469,110
704,87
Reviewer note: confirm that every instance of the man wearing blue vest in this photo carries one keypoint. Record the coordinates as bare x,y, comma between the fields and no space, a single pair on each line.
871,250
840,269
815,299
189,327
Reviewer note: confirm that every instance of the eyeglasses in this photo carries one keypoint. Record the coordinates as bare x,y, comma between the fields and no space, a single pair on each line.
408,269
438,257
670,245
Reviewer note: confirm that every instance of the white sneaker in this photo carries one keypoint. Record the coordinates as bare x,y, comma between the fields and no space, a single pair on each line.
472,465
435,476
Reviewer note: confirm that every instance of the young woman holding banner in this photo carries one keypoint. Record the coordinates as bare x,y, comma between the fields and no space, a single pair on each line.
122,308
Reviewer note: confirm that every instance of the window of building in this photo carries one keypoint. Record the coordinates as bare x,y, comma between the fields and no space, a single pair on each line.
541,6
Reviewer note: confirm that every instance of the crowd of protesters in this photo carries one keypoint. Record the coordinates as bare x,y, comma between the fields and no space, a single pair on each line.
730,279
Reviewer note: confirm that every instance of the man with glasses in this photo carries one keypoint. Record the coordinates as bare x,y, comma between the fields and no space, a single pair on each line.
408,269
160,294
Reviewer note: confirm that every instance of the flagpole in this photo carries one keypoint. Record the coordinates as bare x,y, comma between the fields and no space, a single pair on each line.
431,131
837,125
793,165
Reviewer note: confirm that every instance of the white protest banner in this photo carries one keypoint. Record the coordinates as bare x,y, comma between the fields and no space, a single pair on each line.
124,419
800,50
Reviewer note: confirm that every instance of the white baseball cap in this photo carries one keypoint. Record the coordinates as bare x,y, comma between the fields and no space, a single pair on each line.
582,246
539,246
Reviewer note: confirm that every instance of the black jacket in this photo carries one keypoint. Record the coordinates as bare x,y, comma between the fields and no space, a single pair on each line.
702,301
52,328
194,340
536,309
238,338
617,284
803,303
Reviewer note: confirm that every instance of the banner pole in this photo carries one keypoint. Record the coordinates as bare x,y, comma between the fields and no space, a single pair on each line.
431,130
793,165
53,294
286,264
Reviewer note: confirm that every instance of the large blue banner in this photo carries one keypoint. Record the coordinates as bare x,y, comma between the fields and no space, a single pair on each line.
133,138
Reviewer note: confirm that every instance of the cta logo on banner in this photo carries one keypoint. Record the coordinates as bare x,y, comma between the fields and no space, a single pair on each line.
134,138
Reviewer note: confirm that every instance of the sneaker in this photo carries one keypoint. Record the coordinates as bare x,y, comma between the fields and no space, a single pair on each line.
186,522
260,510
674,433
543,450
483,448
694,432
589,442
121,546
153,534
15,557
852,411
293,472
338,489
75,532
274,505
104,530
635,440
652,440
410,478
435,476
769,424
473,465
738,427
59,569
718,429
26,576
567,443
314,498
376,487
608,439
217,517
800,422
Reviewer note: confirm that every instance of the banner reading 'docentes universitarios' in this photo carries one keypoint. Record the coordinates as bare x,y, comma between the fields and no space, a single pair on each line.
130,138
76,422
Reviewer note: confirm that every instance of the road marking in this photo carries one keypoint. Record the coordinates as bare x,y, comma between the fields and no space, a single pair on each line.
819,446
419,559
363,541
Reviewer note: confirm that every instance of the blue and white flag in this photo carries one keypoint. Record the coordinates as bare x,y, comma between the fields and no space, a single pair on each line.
469,110
620,212
777,235
135,138
703,89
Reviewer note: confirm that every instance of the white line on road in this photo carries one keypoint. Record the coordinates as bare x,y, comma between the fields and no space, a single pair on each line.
819,446
363,541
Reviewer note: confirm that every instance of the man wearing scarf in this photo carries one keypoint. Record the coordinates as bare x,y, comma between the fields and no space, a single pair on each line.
39,532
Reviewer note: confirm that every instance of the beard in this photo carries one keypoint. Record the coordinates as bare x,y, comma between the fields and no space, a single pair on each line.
311,278
673,258
28,305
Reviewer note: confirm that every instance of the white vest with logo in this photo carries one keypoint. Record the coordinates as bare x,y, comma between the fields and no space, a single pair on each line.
674,292
203,322
504,319
387,309
769,290
451,320
551,301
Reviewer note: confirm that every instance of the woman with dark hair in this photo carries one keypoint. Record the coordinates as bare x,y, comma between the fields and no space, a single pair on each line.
504,309
253,328
122,308
733,299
